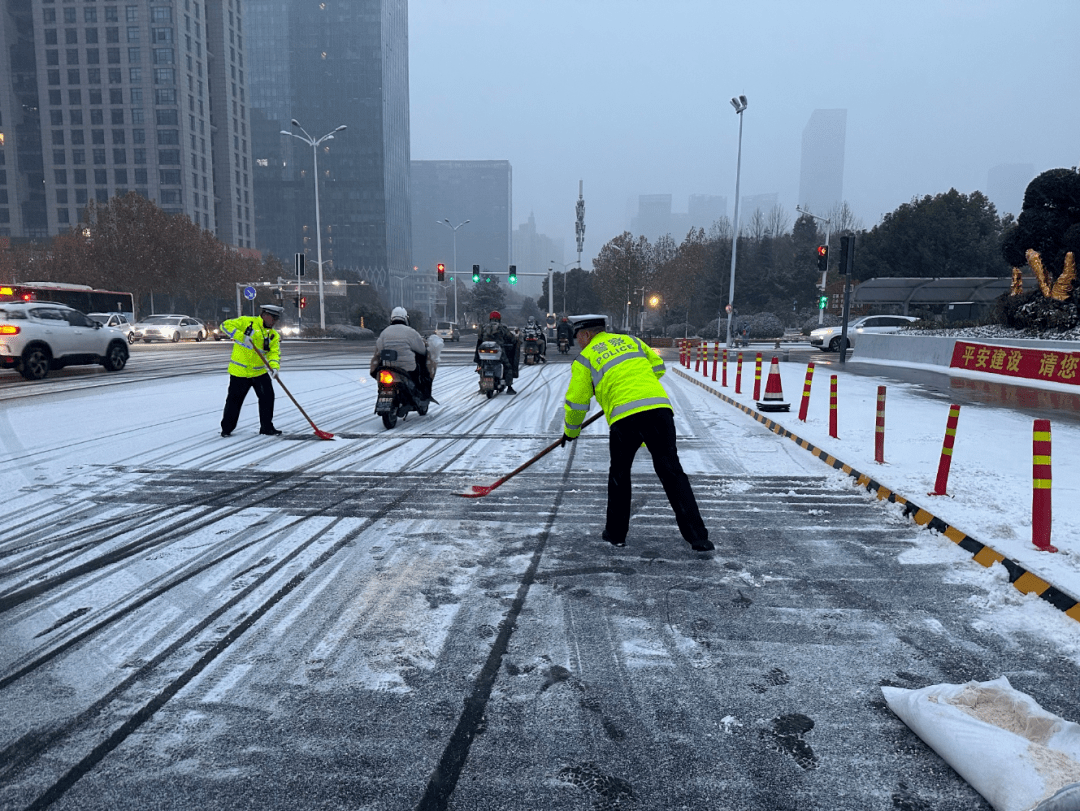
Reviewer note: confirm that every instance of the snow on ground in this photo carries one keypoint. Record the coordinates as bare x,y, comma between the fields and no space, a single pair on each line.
990,482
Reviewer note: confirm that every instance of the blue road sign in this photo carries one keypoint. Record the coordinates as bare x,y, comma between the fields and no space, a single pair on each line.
249,293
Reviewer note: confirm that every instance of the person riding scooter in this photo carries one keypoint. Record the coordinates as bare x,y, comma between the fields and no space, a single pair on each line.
495,330
412,351
564,334
536,332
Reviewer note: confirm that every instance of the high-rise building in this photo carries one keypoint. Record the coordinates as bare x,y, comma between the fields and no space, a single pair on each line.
326,65
1006,184
105,98
821,178
655,218
535,253
477,191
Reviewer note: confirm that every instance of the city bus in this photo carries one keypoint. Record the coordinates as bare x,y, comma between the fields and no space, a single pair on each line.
80,296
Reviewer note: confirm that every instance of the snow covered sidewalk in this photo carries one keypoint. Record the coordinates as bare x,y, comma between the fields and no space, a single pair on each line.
990,482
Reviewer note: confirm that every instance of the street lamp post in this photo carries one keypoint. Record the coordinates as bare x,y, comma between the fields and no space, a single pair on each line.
564,266
454,228
641,329
307,139
739,104
824,273
626,253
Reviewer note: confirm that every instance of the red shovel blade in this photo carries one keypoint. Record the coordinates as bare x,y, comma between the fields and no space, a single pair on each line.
323,434
478,490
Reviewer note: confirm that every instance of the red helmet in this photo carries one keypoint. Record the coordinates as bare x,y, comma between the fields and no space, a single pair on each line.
495,316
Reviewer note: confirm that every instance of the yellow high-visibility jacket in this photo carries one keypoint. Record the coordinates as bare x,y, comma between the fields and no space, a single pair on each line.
244,362
622,372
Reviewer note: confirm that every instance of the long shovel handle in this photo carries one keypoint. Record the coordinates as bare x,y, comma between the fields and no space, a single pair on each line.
322,434
480,490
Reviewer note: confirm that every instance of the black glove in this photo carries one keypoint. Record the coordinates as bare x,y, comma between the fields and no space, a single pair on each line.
565,440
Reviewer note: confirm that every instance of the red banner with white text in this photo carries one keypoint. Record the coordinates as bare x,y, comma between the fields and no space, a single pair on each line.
1028,363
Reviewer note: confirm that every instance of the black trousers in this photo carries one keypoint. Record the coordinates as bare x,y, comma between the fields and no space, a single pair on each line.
656,428
238,389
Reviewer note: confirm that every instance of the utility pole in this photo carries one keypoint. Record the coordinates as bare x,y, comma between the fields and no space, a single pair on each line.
825,272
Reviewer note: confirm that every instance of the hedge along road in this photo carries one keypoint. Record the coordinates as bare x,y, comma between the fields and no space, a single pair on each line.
277,623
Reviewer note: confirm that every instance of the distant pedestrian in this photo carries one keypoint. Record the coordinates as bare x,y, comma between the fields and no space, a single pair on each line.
247,370
623,373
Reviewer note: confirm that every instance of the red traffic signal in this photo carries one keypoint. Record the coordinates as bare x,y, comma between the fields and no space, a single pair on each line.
303,302
441,268
822,258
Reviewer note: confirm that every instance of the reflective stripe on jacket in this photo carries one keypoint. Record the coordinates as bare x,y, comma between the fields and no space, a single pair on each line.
621,372
244,362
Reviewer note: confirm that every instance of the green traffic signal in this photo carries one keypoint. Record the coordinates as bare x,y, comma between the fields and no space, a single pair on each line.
476,273
823,302
513,274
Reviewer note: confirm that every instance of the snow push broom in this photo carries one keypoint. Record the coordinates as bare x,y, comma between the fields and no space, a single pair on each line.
318,433
479,490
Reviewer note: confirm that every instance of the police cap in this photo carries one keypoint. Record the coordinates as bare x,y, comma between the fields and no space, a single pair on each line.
580,322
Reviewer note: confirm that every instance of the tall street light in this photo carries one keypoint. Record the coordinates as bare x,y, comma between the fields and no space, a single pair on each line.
454,228
739,104
565,265
307,139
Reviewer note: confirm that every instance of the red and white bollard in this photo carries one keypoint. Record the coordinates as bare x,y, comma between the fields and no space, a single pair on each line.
942,480
682,359
879,427
705,362
832,408
715,359
723,373
738,374
805,404
757,378
697,358
1040,486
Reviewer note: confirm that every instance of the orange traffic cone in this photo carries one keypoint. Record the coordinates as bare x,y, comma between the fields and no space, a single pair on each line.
774,393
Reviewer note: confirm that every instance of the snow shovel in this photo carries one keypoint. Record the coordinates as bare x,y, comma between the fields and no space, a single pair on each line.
318,433
479,490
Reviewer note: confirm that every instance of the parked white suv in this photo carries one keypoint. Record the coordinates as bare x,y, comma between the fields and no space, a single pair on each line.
37,336
829,337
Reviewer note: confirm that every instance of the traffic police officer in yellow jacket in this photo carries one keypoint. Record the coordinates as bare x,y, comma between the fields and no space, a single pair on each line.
247,370
623,373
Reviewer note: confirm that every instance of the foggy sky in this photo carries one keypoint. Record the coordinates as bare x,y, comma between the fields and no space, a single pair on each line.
631,96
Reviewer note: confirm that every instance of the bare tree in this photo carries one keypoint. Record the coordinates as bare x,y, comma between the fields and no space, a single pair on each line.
778,221
844,219
757,227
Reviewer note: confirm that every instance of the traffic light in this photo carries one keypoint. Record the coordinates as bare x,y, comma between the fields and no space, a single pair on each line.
847,255
441,268
476,273
823,302
296,302
303,302
513,274
822,258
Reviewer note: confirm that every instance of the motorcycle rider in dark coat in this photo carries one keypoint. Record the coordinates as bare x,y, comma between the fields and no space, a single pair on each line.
496,331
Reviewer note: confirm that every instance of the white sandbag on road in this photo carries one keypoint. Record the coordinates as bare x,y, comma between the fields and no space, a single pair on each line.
1017,755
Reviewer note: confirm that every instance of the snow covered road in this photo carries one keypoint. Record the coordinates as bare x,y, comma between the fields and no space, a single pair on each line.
192,622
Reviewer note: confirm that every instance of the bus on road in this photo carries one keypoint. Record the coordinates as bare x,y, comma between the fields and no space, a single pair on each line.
80,296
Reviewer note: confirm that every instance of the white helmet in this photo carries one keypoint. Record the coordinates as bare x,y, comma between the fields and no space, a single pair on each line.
399,315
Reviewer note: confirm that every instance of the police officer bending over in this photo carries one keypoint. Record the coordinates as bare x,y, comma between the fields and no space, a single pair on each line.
624,376
247,370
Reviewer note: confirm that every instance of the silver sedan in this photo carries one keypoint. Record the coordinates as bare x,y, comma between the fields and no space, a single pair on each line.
169,328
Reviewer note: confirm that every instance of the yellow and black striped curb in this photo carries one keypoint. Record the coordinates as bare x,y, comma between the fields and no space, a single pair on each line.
1020,577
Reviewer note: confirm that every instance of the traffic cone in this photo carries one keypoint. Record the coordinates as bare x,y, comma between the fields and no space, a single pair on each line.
774,393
